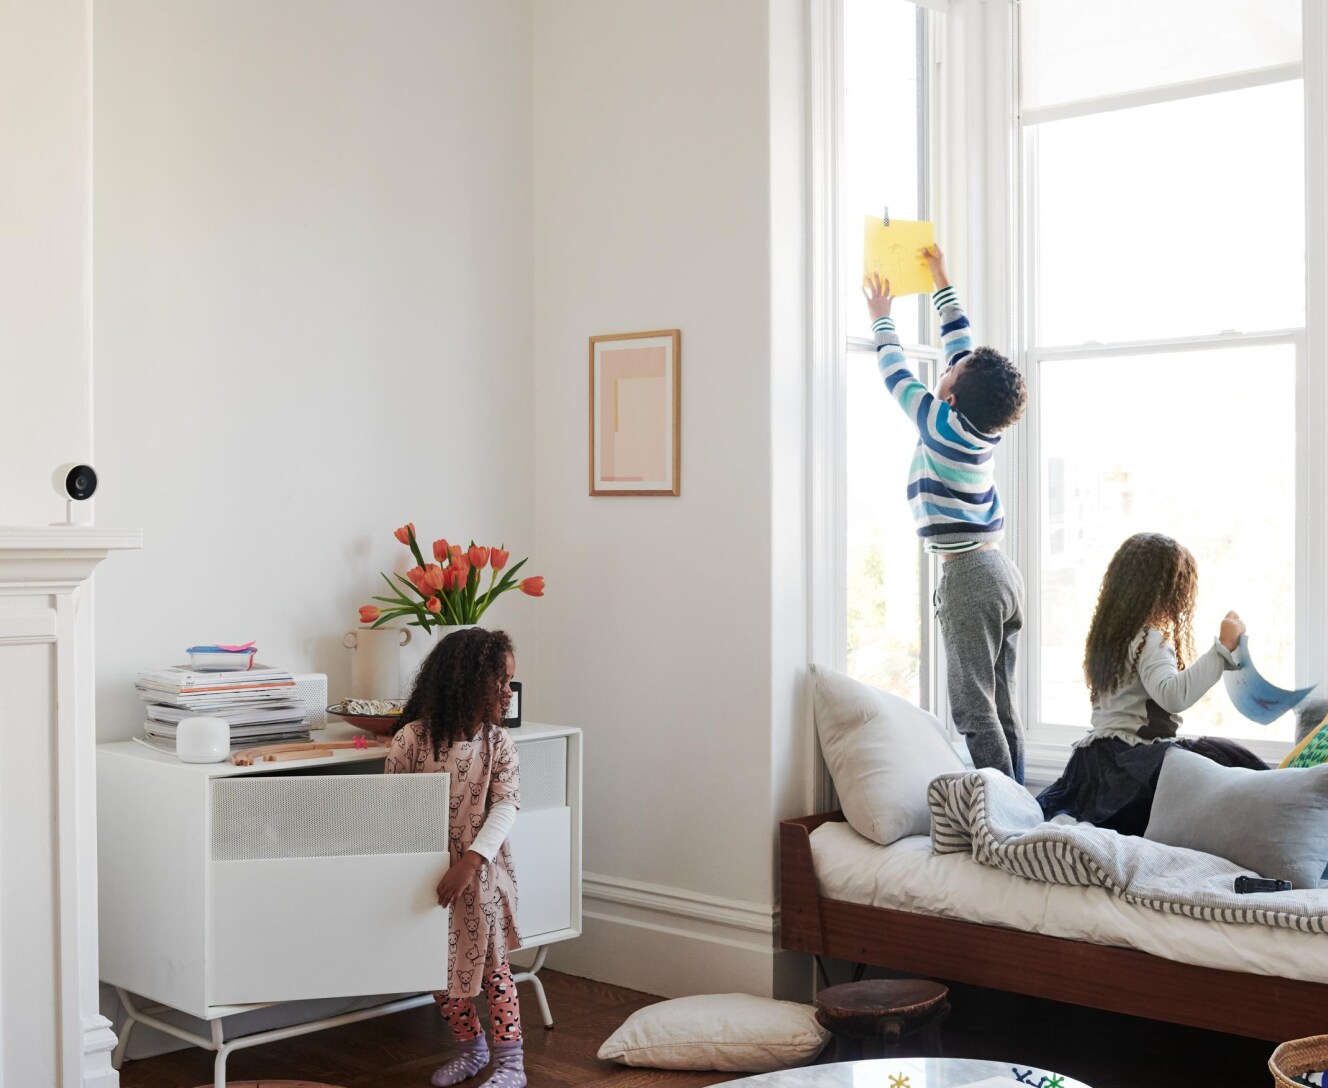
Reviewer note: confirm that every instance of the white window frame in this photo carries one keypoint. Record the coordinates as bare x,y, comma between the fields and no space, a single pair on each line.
830,342
962,203
978,195
1048,743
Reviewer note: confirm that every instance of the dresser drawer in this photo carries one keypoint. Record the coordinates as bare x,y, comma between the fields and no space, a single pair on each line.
325,886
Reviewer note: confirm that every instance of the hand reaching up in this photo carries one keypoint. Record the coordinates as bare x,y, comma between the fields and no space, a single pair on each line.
877,293
1232,628
936,262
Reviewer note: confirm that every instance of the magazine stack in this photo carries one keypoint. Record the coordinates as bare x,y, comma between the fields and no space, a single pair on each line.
259,703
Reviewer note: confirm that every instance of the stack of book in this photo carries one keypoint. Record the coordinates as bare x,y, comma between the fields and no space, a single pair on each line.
259,703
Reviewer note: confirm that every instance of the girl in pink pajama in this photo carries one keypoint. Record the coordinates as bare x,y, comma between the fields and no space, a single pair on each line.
461,693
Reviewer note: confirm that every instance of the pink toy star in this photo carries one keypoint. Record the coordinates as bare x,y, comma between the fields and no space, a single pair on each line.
360,742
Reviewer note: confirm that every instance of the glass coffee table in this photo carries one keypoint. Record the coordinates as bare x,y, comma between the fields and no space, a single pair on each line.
912,1073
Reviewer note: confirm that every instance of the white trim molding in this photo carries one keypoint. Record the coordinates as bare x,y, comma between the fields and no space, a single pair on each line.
672,941
1311,641
48,886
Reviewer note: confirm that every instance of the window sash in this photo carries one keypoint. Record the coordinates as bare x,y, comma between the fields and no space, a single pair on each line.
1048,739
1048,742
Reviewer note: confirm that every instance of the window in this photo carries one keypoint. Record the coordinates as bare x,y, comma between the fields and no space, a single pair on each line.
1163,292
1125,190
886,112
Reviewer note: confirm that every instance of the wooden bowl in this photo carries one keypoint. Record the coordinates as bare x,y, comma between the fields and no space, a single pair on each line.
381,725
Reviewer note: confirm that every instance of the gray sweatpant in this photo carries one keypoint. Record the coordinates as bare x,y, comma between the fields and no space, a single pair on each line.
980,603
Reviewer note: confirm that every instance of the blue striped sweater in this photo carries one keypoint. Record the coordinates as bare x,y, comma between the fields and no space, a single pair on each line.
951,487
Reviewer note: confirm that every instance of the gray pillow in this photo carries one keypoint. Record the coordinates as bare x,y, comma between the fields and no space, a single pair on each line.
1274,823
882,753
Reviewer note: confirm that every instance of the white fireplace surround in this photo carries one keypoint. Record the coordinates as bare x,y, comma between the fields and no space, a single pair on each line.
51,1032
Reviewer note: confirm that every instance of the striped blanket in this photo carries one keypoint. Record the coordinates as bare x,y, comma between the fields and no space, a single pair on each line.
994,818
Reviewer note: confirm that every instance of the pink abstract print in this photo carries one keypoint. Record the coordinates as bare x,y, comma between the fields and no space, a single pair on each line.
634,413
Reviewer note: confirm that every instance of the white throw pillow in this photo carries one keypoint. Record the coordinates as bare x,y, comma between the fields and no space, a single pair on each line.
731,1033
882,752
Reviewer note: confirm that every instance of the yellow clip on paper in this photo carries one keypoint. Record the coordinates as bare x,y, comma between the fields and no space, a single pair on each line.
896,253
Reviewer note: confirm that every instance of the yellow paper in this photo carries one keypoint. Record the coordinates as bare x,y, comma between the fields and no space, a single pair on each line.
896,253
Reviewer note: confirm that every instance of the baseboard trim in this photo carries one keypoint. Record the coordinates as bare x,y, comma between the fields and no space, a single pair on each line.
679,903
672,941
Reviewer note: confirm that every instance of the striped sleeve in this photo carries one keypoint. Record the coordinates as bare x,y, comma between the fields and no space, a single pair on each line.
900,381
939,426
956,339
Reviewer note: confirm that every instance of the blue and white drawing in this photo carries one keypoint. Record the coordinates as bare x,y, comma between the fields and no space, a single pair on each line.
1254,696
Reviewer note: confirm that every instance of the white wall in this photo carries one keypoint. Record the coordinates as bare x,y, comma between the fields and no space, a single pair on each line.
313,239
45,193
330,298
654,136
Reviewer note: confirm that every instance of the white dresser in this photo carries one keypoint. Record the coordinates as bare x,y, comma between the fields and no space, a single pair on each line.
223,888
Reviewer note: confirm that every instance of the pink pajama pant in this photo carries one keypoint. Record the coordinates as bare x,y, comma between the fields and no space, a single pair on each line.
504,1010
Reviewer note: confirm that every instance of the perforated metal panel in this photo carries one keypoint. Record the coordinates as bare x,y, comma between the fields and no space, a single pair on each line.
311,690
257,818
543,774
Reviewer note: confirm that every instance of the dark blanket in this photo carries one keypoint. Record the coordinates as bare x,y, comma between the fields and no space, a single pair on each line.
1111,782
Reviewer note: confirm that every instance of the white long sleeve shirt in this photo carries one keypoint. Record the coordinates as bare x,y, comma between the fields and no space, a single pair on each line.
497,826
1123,712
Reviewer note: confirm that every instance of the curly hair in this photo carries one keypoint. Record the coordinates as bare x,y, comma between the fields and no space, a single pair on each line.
455,686
1151,581
989,391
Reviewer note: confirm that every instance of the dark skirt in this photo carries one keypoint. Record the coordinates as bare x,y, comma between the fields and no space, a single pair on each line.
1111,782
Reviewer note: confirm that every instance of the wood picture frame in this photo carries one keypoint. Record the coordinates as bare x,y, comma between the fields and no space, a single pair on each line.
635,413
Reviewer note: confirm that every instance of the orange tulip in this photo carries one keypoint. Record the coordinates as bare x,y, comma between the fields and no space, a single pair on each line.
461,565
532,586
498,558
368,613
405,532
433,604
416,576
449,579
478,556
454,552
433,576
440,550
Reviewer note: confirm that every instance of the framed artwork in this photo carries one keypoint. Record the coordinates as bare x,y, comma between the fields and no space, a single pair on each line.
634,413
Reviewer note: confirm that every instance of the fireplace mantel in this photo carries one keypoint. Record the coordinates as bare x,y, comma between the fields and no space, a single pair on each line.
59,555
51,1031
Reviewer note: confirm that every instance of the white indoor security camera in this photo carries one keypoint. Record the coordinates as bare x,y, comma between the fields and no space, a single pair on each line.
73,483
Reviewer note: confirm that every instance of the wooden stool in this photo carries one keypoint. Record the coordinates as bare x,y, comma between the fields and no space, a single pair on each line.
868,1019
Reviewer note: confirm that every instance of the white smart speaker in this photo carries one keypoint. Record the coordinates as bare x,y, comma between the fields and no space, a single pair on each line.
202,740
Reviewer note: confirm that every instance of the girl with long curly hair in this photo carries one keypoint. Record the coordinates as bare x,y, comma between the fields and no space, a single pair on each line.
450,725
1141,671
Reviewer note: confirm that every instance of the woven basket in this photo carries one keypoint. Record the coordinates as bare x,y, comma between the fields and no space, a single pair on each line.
1297,1057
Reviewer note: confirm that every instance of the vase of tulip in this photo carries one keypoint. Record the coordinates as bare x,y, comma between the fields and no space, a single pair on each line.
447,594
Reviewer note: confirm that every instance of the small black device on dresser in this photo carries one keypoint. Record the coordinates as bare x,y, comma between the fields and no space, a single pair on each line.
513,719
1245,885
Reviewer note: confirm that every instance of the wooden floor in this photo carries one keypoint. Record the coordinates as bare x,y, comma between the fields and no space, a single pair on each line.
401,1051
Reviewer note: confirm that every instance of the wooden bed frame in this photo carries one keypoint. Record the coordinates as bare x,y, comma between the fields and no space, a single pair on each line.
1097,976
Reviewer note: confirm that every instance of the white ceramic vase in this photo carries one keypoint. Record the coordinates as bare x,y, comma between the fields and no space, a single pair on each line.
375,663
414,650
384,660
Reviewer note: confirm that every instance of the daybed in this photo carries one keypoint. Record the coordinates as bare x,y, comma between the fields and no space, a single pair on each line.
903,908
942,871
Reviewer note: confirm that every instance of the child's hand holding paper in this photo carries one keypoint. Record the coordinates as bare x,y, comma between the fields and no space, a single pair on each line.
895,253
